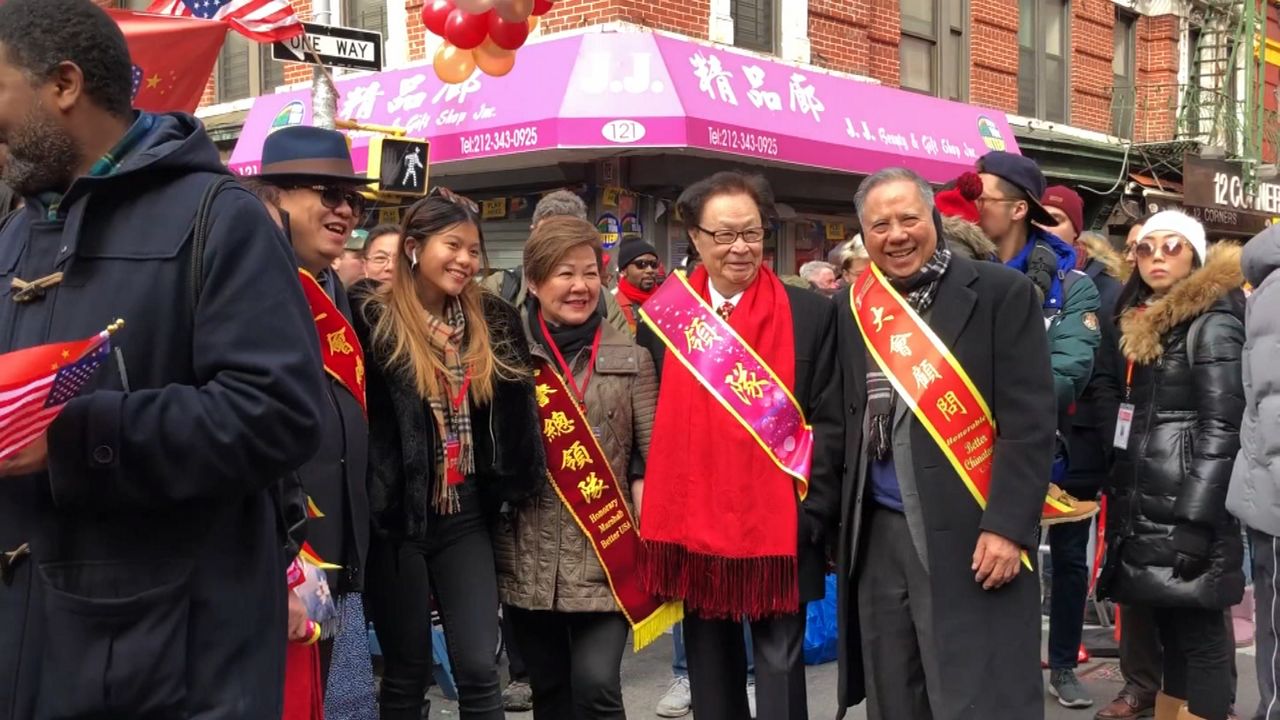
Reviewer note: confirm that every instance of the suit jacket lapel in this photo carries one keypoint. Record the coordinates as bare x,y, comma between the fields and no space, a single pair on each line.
955,301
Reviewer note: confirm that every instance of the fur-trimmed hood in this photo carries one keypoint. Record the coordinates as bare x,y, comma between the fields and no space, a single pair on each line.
1142,332
967,239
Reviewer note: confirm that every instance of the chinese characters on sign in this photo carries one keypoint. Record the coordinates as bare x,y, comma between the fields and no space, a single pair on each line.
716,82
592,487
699,335
950,405
879,318
898,344
544,393
924,373
558,424
338,342
575,458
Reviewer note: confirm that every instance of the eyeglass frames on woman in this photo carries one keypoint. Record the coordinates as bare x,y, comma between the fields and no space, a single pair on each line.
453,197
332,197
751,235
1170,247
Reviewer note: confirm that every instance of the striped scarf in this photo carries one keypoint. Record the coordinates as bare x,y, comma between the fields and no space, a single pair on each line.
920,289
448,337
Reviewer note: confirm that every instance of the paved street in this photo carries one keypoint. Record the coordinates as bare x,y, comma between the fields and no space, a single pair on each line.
645,677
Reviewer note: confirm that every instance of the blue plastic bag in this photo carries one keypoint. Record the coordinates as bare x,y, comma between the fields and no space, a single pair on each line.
821,627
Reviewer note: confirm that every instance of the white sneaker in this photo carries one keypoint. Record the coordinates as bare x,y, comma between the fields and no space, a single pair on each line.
751,697
677,702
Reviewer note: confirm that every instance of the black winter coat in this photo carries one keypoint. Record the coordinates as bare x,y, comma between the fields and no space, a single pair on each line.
1093,423
510,458
155,586
1183,443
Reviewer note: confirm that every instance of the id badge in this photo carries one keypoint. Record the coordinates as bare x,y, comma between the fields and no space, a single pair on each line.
1124,423
452,456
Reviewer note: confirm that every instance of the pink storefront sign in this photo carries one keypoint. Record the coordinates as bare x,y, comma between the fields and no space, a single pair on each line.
637,90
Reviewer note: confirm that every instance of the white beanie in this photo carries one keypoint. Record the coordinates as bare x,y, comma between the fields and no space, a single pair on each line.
1176,221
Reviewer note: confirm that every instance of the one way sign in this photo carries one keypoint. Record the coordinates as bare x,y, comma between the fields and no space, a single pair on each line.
336,46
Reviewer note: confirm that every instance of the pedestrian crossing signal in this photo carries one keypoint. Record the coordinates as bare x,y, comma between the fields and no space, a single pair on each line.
400,165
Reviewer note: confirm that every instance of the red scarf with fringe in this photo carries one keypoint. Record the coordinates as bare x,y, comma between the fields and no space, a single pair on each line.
715,523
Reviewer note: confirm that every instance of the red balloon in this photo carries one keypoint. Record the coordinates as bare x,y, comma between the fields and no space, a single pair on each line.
542,7
466,31
507,35
435,14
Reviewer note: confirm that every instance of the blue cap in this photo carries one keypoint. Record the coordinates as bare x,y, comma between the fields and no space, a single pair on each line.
1023,173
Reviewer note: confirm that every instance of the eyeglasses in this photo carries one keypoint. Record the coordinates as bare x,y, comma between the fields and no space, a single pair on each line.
983,200
332,197
751,235
1170,247
453,197
379,260
646,264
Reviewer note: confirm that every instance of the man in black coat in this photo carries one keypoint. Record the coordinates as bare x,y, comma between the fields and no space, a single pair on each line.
940,619
152,580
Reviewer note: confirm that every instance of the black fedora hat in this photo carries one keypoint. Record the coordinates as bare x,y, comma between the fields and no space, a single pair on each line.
309,153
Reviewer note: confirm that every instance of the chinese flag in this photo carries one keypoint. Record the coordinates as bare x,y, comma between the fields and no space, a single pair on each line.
173,58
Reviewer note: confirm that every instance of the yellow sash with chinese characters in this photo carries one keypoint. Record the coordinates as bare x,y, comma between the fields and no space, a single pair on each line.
933,384
580,474
339,346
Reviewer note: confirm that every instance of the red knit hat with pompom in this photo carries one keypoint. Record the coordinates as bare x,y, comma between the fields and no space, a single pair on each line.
959,201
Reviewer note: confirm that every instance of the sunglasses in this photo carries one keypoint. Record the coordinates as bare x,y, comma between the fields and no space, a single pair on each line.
646,264
453,197
1171,247
333,196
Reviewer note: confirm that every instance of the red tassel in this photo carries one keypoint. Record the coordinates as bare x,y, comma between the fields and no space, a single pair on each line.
719,587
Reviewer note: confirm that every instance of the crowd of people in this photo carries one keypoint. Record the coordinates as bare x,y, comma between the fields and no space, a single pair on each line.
305,429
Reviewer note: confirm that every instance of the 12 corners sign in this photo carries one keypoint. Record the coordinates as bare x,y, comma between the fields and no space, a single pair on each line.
336,46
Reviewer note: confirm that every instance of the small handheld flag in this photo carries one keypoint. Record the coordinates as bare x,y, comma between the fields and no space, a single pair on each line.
37,382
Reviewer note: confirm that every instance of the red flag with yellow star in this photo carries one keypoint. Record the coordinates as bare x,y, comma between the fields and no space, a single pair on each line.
173,58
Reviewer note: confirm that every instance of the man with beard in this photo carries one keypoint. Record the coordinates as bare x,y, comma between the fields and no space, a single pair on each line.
142,554
638,266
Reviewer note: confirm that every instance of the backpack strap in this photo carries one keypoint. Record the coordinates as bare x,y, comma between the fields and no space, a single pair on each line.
1068,281
1193,333
200,235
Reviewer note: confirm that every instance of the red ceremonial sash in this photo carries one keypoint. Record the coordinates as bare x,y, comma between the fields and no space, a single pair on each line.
339,346
930,380
738,378
580,474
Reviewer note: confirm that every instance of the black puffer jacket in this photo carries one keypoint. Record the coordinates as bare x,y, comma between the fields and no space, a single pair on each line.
1168,488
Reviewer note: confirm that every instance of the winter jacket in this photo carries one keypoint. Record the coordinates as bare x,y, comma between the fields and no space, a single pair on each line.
403,466
544,559
1254,496
1169,485
967,239
155,584
1093,416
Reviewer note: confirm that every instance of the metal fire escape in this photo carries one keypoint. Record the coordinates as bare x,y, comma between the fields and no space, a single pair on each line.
1219,110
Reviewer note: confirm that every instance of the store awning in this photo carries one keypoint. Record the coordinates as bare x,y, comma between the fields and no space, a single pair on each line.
620,91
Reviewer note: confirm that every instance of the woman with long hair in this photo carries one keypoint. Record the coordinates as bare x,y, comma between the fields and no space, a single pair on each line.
452,436
1172,545
564,579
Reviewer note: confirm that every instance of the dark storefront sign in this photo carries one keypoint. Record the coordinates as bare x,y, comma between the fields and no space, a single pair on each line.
1215,194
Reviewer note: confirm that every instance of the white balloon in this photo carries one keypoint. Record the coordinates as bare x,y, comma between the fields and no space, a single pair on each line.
475,7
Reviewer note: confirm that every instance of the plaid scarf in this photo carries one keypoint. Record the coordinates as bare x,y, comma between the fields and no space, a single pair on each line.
109,163
448,337
921,289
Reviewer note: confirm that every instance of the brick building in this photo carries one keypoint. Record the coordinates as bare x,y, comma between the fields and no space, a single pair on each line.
1076,77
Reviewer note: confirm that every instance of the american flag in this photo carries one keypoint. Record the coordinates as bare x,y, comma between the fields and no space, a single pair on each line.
37,382
265,21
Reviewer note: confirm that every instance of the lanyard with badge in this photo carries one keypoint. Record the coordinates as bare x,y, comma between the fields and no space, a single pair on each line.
1124,422
452,443
567,373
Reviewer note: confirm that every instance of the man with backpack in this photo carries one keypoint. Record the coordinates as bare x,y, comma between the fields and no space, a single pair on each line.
1012,215
143,551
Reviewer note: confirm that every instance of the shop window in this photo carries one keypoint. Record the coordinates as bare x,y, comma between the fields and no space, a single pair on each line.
1123,63
753,24
932,51
1043,27
366,15
272,71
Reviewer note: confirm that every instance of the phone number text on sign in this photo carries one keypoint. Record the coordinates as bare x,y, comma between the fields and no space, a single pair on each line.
500,140
753,143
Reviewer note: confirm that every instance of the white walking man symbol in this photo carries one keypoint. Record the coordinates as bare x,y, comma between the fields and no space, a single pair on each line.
412,163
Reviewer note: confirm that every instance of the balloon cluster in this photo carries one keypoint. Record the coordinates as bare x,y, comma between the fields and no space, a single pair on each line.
481,34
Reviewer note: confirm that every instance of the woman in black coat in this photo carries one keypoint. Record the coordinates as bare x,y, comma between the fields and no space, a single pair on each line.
452,435
1172,545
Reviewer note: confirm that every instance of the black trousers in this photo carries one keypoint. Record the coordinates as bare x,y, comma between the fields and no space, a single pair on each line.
573,661
1197,659
1142,656
717,655
515,661
456,563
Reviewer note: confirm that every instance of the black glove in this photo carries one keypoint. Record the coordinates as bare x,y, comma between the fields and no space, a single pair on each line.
1191,542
